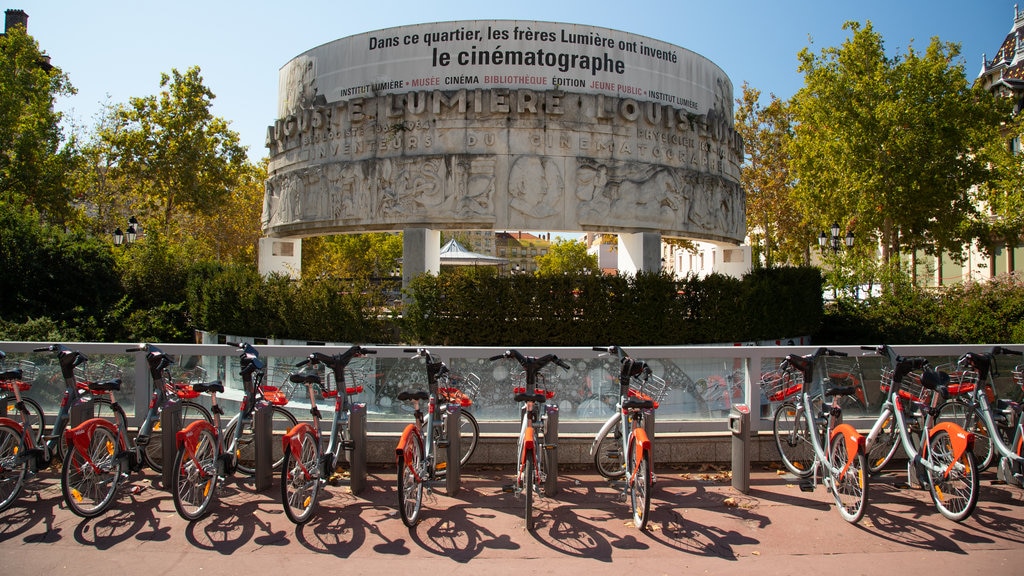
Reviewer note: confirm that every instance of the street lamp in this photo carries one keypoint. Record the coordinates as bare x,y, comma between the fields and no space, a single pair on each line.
129,236
824,240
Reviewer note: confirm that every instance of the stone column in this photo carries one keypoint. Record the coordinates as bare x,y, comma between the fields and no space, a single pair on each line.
421,252
639,252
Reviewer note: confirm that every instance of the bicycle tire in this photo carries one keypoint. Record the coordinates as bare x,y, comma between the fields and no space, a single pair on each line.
608,458
282,421
194,478
357,456
955,495
968,417
89,490
36,419
640,485
153,454
12,472
469,430
453,454
300,480
410,491
528,487
789,428
850,487
882,450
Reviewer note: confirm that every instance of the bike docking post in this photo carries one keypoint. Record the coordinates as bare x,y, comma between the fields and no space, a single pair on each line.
263,435
170,424
739,425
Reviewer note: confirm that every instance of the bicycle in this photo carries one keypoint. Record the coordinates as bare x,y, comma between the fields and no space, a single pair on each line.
538,434
307,467
994,422
942,457
17,437
462,390
429,448
257,395
21,375
792,439
207,453
640,391
844,466
165,394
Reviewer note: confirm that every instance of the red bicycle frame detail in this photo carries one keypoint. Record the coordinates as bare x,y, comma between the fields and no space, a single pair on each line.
292,442
855,443
79,437
643,444
189,439
404,445
960,439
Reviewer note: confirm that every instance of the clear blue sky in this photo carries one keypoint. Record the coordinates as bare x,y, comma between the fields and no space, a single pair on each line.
114,50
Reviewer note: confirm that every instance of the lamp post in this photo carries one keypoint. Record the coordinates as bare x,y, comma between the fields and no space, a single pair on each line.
836,243
130,235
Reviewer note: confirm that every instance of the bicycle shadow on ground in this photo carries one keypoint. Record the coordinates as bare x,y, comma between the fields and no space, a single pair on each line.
458,536
36,506
130,516
568,530
669,527
232,521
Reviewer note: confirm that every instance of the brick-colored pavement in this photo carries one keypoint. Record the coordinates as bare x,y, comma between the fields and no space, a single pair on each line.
699,524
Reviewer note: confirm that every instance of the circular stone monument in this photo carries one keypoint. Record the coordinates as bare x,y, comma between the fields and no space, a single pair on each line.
505,125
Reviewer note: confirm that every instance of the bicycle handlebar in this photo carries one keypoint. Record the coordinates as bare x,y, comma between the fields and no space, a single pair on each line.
338,361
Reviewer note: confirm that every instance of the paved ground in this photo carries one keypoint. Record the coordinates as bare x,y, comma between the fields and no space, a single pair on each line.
699,524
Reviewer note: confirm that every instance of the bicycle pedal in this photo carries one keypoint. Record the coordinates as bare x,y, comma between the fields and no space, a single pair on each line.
442,443
142,441
135,490
508,488
807,486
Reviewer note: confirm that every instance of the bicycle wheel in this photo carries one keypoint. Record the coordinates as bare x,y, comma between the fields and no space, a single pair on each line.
884,447
850,485
410,489
300,480
154,450
528,487
194,477
469,430
89,481
639,484
789,427
453,454
34,417
281,422
955,494
608,458
12,471
969,418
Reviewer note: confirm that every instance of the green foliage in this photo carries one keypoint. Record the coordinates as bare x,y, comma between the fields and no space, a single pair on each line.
33,162
69,277
461,308
567,257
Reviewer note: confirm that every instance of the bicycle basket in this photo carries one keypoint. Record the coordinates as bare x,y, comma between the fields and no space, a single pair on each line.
961,381
653,388
181,380
1018,375
279,380
777,385
910,388
354,383
91,372
461,389
29,371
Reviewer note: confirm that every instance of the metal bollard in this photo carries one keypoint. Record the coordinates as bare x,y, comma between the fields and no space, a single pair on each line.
739,425
263,436
170,424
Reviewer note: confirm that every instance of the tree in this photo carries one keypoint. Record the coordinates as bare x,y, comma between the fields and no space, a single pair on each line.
781,236
34,156
567,256
888,147
171,152
362,256
1005,195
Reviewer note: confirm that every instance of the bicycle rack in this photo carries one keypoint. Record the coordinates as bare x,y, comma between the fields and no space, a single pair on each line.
170,424
263,435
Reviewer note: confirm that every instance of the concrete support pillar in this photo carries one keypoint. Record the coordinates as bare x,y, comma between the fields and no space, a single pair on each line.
639,252
421,252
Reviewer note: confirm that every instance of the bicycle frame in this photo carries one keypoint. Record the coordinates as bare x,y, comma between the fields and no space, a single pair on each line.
436,371
977,400
923,460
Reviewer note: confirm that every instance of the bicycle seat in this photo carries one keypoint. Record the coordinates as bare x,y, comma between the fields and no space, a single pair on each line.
638,404
105,385
301,378
215,386
535,397
934,380
841,391
14,374
418,395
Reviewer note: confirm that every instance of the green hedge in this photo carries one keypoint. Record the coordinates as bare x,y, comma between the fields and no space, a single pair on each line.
474,309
